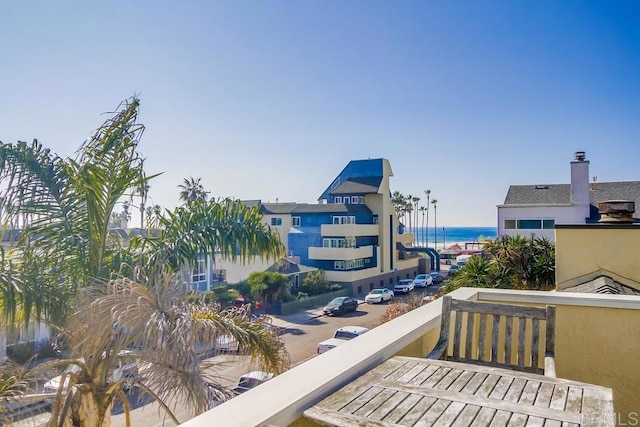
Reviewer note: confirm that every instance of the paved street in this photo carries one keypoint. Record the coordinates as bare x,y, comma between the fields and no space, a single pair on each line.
301,333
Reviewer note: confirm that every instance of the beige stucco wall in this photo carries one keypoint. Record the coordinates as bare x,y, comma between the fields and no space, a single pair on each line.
586,252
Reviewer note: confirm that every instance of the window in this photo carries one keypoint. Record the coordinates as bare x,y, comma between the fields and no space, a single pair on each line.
361,200
337,199
529,224
295,221
375,219
510,224
276,221
355,200
339,265
199,269
344,219
339,243
548,223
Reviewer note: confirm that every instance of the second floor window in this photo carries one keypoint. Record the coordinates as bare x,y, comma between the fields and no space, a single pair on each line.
295,221
276,221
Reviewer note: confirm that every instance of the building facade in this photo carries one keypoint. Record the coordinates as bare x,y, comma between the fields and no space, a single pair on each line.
351,233
536,209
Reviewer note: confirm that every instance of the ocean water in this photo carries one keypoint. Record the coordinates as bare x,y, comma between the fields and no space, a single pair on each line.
443,237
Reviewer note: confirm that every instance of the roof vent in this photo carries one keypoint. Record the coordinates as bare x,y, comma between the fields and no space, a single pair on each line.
580,156
542,187
617,211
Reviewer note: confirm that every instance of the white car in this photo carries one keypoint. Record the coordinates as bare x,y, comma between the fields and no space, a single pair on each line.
341,336
126,366
251,380
422,281
404,286
379,295
227,343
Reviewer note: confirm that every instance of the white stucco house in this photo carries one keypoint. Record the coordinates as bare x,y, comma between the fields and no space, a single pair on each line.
536,209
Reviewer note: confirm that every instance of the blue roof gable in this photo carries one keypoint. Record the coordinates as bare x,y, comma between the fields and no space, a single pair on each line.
358,177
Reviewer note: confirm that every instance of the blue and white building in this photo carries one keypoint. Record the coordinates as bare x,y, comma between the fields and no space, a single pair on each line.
351,233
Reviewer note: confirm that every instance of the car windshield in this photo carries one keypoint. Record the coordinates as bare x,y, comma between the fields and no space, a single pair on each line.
247,382
337,301
345,335
421,276
377,291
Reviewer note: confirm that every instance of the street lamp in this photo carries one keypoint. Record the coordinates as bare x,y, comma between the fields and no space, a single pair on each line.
426,239
444,238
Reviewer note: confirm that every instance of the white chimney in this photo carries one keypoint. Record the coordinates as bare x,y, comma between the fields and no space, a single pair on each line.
580,182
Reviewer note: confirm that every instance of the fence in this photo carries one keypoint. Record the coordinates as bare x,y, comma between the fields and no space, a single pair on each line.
304,303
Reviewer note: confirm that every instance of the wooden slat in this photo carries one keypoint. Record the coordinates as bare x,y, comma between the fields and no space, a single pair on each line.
482,337
521,340
508,338
535,341
551,329
495,334
499,309
457,394
468,352
457,335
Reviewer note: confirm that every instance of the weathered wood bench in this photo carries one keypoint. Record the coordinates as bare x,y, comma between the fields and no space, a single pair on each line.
497,344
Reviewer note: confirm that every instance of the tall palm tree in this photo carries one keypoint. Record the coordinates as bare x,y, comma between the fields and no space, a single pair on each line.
143,192
423,210
428,193
415,200
434,202
67,245
191,190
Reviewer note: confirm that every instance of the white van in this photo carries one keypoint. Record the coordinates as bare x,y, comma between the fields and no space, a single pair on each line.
341,336
252,379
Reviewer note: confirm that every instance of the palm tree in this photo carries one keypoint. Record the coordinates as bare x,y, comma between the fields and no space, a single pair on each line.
423,209
192,191
428,193
143,192
434,202
66,246
415,200
166,330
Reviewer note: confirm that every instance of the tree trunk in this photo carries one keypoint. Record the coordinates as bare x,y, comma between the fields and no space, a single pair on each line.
89,408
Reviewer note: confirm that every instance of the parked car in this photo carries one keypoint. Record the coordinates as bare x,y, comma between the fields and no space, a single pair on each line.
340,305
436,277
403,286
453,269
379,295
251,380
226,343
341,336
422,281
126,367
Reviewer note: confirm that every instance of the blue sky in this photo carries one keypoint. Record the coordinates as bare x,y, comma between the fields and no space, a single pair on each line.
271,99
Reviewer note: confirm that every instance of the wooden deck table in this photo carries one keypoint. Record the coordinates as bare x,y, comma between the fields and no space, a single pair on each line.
410,391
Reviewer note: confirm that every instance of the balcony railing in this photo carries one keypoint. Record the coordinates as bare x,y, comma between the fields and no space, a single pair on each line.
340,254
593,344
349,230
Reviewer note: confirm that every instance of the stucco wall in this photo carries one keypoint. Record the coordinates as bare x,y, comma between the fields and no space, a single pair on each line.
585,252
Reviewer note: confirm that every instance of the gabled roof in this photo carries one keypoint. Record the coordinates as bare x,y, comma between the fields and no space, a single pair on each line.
551,194
554,194
365,185
603,285
359,177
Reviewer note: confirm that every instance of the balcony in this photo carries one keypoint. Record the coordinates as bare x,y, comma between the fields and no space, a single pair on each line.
349,230
340,254
593,345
